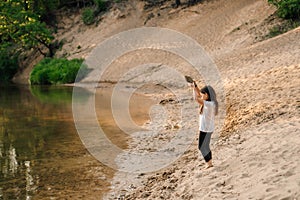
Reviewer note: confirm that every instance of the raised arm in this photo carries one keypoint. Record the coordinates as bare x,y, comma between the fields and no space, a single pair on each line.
198,97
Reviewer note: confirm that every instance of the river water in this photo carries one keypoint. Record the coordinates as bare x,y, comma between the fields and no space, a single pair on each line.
41,154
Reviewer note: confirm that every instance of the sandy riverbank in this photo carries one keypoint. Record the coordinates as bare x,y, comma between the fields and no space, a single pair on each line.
257,157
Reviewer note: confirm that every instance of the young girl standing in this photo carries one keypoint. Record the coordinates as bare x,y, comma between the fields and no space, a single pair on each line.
206,97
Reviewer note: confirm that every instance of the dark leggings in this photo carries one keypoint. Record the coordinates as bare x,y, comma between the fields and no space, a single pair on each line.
203,146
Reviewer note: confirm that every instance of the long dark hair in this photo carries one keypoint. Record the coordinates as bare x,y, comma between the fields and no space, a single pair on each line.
211,97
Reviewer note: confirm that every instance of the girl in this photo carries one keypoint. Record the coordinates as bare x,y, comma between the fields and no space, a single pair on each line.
207,99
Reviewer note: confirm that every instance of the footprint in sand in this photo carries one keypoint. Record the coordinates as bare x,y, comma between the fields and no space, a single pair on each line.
245,175
270,189
274,197
288,173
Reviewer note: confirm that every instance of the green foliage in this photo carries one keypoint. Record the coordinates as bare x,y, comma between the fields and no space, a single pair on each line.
8,65
88,16
55,71
20,26
101,5
288,9
23,27
282,28
43,8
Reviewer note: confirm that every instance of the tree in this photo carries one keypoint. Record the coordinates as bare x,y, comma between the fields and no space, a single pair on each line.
21,26
8,62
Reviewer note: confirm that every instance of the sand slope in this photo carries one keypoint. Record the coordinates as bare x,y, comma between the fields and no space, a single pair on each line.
262,163
259,157
257,160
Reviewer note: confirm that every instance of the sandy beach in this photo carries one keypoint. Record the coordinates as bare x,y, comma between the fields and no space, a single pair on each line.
256,156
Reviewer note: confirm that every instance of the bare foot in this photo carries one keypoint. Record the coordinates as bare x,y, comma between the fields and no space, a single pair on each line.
208,166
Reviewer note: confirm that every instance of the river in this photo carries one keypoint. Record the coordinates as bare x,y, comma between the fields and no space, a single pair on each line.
41,154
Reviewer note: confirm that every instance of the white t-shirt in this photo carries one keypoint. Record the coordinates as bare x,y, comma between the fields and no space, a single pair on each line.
207,118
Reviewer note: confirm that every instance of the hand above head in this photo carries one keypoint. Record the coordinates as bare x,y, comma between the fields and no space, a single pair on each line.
194,84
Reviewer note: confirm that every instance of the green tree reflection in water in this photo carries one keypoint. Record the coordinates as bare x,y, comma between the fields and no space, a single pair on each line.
28,123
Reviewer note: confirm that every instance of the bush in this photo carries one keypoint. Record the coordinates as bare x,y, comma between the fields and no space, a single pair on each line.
288,9
282,28
8,66
88,16
101,5
55,71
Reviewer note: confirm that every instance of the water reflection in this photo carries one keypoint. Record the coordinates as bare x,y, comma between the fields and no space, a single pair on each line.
30,184
40,152
52,94
25,129
41,155
11,164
